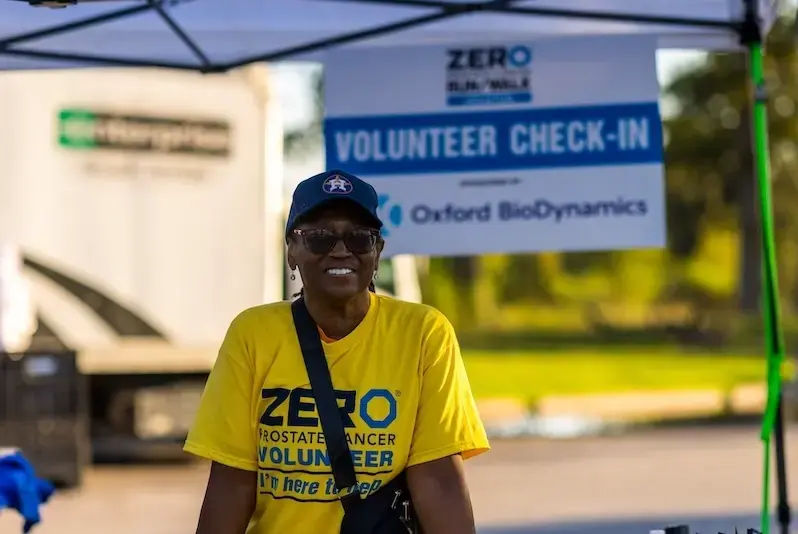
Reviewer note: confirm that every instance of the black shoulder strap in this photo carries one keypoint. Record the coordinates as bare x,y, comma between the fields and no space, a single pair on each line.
332,423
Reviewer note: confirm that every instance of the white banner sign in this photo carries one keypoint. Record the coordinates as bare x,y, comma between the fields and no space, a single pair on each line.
512,147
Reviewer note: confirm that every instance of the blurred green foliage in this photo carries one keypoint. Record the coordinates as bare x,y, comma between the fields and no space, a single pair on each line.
531,375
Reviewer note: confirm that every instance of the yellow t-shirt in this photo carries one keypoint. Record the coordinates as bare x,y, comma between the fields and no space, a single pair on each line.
401,384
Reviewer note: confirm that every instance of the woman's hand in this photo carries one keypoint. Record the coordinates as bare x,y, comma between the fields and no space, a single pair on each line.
440,496
229,500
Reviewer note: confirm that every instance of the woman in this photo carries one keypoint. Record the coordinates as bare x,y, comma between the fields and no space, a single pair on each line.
396,367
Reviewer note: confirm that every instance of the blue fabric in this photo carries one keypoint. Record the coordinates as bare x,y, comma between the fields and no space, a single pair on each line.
328,187
20,490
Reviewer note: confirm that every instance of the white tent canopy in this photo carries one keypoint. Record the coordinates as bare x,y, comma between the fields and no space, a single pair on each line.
221,34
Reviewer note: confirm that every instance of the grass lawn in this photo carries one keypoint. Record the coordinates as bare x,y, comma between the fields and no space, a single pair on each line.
530,375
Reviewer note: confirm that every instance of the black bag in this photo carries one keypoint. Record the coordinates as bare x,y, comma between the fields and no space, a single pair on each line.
389,510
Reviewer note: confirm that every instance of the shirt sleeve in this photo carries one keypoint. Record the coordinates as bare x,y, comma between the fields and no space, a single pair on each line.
447,422
223,429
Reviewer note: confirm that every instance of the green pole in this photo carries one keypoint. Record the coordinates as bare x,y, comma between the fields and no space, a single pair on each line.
774,338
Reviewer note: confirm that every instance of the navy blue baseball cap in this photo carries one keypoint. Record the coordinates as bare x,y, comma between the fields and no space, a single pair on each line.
332,186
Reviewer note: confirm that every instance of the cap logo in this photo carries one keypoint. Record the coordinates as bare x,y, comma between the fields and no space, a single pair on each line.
337,185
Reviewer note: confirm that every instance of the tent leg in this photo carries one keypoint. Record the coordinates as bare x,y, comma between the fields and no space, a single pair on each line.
773,419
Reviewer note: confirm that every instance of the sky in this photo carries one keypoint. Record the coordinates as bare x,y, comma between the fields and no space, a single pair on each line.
294,91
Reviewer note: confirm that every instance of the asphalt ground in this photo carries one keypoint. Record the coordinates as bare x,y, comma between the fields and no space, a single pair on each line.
625,484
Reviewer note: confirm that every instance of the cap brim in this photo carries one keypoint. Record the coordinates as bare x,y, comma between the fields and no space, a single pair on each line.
309,211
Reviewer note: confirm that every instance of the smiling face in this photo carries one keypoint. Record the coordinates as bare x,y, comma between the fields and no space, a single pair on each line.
340,272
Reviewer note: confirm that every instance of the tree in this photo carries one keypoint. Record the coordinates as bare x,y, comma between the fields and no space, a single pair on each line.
709,157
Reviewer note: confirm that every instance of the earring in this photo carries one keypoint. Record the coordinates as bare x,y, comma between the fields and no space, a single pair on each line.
293,274
376,274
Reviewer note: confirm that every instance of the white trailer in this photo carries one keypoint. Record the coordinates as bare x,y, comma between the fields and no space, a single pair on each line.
147,205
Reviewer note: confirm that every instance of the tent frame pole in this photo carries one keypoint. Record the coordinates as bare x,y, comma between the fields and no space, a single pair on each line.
773,417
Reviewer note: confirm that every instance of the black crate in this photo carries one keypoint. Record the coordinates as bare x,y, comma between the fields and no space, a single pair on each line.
41,384
43,412
58,449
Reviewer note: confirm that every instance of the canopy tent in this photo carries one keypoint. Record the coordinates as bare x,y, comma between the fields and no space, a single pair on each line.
214,35
218,35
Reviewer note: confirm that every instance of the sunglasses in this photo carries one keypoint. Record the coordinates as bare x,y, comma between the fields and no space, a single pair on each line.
321,242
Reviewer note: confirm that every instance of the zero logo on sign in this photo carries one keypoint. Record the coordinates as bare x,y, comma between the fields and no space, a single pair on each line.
485,58
301,409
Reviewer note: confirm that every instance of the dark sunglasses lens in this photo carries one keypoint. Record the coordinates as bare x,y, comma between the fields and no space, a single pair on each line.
360,242
320,243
